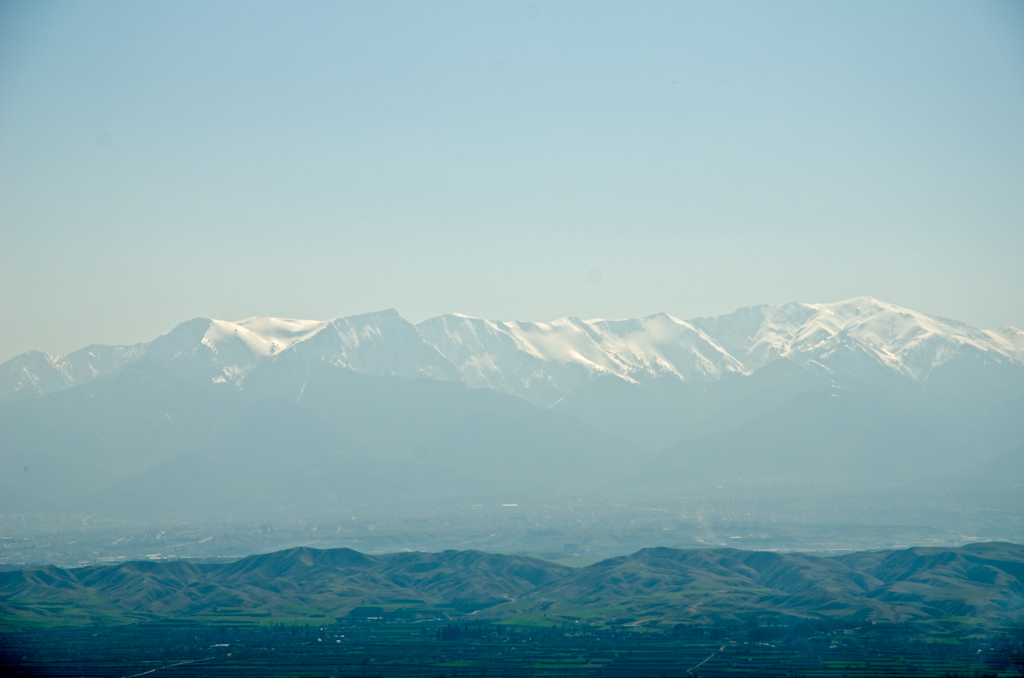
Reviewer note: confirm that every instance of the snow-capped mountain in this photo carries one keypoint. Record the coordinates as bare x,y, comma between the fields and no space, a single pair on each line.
268,412
901,340
217,349
544,361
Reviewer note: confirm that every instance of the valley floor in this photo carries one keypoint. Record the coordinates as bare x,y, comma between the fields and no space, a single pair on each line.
375,648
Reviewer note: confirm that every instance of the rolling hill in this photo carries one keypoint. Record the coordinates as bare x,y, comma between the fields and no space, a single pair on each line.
975,584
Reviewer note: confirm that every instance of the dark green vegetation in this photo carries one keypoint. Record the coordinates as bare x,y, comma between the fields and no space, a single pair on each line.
978,585
374,647
706,612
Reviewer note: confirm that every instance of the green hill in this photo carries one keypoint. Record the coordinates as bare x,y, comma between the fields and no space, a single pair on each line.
977,584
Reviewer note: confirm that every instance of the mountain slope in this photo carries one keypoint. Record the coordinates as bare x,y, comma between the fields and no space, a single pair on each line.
225,352
855,337
270,414
543,362
334,582
709,585
830,438
147,442
659,586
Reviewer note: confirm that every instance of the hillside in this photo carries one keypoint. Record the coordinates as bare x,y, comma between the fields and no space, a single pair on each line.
976,584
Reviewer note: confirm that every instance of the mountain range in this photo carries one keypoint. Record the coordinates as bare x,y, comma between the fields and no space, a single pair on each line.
544,362
975,584
267,414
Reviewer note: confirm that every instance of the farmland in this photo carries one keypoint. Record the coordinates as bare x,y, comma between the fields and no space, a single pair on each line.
376,647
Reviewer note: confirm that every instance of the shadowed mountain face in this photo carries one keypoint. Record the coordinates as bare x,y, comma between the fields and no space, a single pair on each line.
144,442
983,582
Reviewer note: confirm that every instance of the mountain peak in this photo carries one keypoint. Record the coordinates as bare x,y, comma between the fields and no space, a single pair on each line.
544,361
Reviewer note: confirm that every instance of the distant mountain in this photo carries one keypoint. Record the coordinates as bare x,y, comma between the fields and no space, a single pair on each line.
653,587
856,336
218,351
543,362
270,415
145,442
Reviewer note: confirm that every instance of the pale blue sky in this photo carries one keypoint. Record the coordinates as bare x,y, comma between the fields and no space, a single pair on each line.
161,161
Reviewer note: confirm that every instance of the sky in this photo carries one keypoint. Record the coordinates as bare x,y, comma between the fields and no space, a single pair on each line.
161,161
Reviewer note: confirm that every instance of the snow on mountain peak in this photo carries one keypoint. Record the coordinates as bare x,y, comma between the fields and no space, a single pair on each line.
262,336
544,361
897,338
1008,339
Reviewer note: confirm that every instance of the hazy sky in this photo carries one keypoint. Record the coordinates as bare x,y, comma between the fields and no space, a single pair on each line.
161,161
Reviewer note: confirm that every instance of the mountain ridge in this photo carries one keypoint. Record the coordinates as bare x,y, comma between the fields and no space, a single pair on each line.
266,415
658,586
545,361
